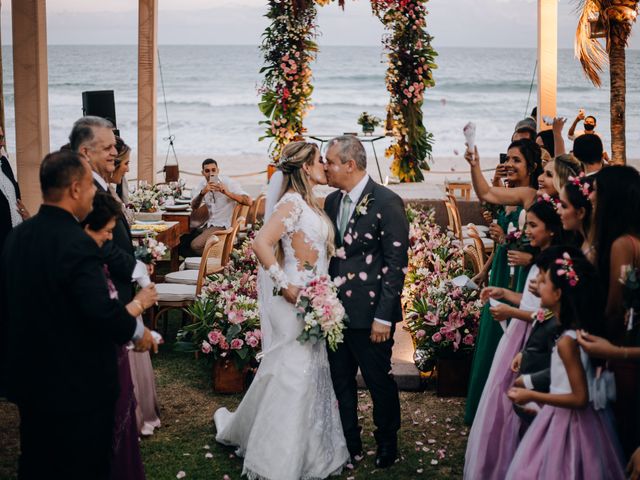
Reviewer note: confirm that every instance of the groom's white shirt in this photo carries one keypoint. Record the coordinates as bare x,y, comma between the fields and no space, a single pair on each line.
355,194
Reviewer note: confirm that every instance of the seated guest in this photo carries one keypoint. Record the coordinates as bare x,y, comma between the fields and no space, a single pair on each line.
53,289
220,194
588,149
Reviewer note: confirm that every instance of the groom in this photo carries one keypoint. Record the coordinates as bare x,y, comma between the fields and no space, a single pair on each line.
372,236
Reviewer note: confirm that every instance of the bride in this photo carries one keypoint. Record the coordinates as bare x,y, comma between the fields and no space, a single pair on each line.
287,426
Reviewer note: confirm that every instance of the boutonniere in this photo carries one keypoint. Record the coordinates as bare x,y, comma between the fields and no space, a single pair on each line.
363,205
542,315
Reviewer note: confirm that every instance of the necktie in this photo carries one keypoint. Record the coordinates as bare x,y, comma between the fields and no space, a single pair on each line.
344,215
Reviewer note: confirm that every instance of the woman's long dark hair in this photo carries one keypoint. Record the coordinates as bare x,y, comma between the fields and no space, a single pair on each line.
582,304
548,141
616,213
531,152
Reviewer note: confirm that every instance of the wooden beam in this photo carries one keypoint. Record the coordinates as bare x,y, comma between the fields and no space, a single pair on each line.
147,88
547,59
30,80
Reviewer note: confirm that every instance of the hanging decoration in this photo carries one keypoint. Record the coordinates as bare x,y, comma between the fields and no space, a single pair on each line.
289,48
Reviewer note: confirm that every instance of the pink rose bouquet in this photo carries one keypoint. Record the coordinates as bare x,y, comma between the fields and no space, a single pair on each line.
322,313
150,250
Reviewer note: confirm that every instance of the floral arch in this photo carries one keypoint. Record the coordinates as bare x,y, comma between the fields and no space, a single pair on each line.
289,48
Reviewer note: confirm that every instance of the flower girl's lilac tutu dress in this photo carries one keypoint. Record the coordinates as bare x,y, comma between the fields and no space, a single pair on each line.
566,442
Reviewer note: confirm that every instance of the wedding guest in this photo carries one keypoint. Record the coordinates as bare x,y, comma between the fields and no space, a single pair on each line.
493,437
616,240
576,211
93,138
147,410
127,462
568,438
546,142
121,168
523,167
55,292
12,210
220,194
588,149
524,132
589,126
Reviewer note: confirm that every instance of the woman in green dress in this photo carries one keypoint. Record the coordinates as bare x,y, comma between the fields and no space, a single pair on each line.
523,167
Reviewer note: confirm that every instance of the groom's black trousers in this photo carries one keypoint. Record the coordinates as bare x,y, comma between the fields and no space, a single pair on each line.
374,360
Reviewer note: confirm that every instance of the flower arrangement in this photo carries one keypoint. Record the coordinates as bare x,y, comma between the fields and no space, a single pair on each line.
288,46
368,122
410,73
150,250
171,189
145,198
226,317
515,239
288,49
322,313
441,317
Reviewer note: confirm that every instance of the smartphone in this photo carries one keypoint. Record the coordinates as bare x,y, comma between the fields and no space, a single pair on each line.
214,179
503,158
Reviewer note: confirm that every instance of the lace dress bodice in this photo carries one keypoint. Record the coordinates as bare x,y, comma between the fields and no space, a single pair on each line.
303,223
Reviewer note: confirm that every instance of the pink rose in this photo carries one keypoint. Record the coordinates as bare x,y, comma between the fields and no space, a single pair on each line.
223,344
450,336
237,344
420,334
214,337
436,337
235,316
468,339
252,341
206,348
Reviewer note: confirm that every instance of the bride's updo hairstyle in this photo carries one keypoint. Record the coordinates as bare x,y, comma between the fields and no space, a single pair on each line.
295,179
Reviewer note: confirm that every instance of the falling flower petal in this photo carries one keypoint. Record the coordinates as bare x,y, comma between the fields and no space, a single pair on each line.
385,270
181,474
363,276
396,244
434,462
368,236
351,276
420,470
348,239
348,293
369,259
431,441
372,294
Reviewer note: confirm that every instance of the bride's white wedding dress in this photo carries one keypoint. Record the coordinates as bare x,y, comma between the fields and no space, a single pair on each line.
287,426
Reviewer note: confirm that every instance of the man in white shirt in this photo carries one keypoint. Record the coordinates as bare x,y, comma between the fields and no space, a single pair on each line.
220,194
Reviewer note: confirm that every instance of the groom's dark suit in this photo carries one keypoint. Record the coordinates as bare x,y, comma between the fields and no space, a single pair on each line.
373,268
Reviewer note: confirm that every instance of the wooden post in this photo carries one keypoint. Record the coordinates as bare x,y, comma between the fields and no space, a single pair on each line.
30,82
547,59
147,88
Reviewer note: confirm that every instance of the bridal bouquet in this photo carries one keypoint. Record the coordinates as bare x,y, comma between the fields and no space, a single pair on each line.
150,250
322,313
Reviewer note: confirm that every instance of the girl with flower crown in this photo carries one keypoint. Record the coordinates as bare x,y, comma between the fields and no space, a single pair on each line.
568,438
494,434
575,209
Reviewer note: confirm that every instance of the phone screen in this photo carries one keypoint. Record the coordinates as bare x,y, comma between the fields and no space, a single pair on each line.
214,179
503,157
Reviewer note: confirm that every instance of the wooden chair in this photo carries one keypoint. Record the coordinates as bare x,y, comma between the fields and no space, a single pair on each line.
179,295
260,204
464,187
252,214
463,235
472,259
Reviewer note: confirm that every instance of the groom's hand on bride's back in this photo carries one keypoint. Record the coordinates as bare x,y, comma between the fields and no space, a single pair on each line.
379,332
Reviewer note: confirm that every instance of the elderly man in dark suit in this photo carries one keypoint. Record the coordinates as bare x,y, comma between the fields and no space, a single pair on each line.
372,237
63,329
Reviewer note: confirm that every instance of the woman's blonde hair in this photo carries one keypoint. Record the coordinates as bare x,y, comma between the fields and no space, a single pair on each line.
565,166
294,156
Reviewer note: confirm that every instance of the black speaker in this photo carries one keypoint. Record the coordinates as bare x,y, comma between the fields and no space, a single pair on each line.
100,103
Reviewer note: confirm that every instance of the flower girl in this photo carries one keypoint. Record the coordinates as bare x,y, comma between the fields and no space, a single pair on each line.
568,438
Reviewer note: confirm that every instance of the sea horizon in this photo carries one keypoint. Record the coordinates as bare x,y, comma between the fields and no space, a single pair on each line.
211,94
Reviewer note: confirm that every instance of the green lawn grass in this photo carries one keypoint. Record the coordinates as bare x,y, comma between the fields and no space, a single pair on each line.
429,424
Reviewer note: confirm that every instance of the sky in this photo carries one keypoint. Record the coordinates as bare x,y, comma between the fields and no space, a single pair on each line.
453,23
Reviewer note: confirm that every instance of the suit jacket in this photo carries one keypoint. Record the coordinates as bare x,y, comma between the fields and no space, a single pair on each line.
5,213
62,326
374,261
119,256
536,355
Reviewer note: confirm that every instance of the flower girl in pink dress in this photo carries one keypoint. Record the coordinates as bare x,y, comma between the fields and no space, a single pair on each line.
494,435
568,438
